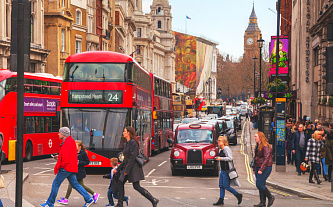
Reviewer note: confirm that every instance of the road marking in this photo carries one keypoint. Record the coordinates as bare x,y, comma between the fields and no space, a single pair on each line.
43,172
161,163
150,173
53,163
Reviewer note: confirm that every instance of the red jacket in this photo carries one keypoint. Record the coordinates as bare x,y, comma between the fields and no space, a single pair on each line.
67,156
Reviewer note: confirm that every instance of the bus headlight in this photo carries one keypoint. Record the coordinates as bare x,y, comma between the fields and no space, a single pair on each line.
212,153
176,153
121,157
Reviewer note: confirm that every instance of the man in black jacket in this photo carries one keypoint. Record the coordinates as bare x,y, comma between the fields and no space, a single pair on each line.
298,144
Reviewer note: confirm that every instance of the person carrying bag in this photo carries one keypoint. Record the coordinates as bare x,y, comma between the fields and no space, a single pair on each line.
228,172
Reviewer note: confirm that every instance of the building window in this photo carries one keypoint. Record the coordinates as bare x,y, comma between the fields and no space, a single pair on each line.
7,20
159,24
63,40
159,10
139,32
90,24
138,49
63,3
32,29
78,17
78,46
316,57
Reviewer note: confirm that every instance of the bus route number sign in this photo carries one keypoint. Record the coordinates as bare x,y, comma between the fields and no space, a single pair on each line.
95,97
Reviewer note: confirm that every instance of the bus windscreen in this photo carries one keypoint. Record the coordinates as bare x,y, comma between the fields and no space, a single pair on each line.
94,72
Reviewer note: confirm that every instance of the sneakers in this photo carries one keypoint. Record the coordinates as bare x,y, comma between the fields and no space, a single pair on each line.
63,201
45,205
127,200
89,203
95,197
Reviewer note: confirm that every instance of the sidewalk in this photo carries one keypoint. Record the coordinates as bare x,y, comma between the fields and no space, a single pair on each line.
7,194
289,181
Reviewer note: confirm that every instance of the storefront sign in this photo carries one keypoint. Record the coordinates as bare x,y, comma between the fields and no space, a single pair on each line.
95,97
307,53
40,105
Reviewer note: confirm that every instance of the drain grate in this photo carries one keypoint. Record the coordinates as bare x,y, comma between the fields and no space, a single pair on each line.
6,202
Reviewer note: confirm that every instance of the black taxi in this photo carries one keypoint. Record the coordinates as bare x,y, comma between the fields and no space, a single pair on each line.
194,148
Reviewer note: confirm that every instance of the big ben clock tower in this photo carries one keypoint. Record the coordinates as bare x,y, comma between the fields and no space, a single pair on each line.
252,34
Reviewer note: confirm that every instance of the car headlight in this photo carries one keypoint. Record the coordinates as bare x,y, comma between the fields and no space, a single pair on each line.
176,153
121,157
212,153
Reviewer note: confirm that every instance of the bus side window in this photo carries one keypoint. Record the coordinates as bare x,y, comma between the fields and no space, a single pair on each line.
38,84
39,123
55,88
28,86
46,87
30,124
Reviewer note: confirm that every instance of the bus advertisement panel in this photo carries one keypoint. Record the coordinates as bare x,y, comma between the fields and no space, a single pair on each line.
41,126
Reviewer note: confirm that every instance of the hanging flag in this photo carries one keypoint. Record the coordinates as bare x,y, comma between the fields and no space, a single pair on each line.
187,17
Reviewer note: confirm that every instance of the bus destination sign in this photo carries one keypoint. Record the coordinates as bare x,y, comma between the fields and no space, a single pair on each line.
95,97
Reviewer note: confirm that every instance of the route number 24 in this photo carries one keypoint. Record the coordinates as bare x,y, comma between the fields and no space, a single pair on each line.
113,97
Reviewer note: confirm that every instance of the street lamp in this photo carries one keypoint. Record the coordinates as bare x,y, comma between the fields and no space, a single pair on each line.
260,43
254,76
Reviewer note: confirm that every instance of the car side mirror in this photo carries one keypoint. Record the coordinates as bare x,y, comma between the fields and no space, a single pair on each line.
170,141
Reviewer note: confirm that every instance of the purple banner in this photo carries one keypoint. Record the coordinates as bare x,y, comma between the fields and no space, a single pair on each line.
283,55
40,105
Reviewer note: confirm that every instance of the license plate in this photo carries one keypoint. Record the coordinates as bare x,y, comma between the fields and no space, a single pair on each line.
194,167
95,163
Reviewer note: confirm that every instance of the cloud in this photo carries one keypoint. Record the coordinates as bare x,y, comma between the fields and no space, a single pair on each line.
146,5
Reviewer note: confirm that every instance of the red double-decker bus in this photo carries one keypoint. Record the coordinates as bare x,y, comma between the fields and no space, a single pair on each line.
199,102
102,93
162,114
41,126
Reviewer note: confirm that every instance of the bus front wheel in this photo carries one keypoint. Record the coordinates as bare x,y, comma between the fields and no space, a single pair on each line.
28,152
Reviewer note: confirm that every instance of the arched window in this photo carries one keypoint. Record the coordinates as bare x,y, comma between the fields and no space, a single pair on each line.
78,17
159,24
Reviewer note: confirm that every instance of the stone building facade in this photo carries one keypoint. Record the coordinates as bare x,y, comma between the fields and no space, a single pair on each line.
252,34
38,50
308,42
154,40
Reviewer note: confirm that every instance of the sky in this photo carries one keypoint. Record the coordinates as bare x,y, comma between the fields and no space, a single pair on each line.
222,21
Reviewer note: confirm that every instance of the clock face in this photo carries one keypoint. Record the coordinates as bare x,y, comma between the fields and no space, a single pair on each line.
249,41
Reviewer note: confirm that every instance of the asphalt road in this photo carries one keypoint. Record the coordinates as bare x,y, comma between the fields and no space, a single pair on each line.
189,189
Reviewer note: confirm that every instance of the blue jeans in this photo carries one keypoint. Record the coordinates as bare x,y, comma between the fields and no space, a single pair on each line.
224,184
115,195
324,166
300,156
261,178
71,177
1,203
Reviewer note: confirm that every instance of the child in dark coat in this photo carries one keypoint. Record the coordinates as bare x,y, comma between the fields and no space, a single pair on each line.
83,160
113,189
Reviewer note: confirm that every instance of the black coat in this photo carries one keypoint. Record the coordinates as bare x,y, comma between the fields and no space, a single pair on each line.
83,161
129,165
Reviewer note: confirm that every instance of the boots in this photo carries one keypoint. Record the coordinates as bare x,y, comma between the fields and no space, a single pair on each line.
325,177
153,200
219,202
239,198
317,176
270,197
262,200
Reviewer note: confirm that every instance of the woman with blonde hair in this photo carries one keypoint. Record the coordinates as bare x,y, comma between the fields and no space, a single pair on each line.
313,155
226,163
263,167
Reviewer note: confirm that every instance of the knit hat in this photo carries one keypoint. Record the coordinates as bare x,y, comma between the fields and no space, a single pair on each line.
65,131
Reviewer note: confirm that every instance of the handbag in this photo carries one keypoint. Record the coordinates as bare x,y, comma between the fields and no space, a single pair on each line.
232,173
141,159
252,163
305,167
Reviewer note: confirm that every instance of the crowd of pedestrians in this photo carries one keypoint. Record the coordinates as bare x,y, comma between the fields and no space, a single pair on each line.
310,143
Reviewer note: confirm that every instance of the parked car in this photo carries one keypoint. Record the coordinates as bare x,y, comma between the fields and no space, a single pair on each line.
194,148
230,132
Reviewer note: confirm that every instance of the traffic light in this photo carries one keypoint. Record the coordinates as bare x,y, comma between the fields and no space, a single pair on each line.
328,65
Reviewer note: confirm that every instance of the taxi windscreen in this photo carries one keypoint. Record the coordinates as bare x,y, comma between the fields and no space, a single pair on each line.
195,136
